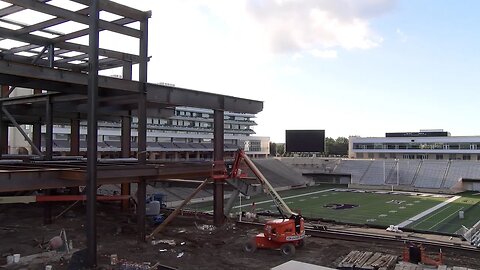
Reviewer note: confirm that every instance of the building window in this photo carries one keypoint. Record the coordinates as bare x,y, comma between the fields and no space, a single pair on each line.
452,157
454,146
392,155
370,155
439,156
466,157
381,155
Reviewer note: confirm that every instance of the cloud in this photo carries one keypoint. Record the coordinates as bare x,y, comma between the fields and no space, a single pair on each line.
402,36
324,53
299,25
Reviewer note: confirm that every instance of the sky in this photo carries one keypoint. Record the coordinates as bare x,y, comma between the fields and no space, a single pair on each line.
351,67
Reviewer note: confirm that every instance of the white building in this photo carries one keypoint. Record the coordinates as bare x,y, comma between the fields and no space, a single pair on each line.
426,144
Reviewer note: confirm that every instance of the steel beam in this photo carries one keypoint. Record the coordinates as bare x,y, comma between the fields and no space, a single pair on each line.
218,149
41,41
155,93
70,15
64,78
186,97
20,129
92,130
120,9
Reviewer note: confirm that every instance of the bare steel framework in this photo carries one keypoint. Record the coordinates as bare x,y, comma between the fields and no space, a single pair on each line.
63,74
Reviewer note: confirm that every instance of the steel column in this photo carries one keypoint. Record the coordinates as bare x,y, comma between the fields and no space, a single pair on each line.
3,124
37,128
48,129
51,55
126,136
74,137
218,149
92,133
142,126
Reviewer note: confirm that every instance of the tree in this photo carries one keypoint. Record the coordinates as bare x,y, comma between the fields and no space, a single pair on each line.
273,149
338,147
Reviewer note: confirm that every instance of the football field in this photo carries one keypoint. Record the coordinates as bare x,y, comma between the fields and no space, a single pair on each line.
381,208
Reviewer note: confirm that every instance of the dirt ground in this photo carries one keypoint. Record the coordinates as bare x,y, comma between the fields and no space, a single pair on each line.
194,245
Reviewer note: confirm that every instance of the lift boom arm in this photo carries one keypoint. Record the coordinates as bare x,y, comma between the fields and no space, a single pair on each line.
281,205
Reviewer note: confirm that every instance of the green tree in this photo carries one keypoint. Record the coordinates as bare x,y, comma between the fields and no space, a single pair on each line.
281,149
273,149
338,147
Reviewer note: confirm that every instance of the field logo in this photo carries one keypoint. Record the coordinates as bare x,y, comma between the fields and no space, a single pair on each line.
340,206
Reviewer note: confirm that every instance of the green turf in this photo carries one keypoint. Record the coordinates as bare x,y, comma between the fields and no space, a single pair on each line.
371,208
446,219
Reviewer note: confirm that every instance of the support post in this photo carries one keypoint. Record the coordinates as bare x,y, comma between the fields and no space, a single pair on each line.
3,124
126,136
74,137
91,225
37,128
48,129
218,149
142,127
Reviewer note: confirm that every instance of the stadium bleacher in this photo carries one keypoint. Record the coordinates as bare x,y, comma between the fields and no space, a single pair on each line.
430,174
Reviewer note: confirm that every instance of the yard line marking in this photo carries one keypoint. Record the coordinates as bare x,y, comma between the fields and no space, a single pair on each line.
426,212
284,198
454,213
448,207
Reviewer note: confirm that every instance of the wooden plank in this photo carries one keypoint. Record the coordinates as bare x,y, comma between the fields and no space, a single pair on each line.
373,258
364,258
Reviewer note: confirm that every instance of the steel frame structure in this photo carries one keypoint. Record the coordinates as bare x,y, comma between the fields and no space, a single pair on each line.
63,74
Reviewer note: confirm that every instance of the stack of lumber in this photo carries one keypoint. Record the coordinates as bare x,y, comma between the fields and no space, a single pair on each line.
368,261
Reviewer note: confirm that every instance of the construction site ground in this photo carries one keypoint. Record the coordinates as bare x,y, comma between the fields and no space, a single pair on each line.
187,243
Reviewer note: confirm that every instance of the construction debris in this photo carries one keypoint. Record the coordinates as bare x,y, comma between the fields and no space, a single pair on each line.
368,260
205,227
163,241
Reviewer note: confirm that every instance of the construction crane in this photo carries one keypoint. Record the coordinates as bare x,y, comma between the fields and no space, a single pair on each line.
285,234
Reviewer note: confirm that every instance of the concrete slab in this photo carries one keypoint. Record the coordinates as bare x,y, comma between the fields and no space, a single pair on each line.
295,265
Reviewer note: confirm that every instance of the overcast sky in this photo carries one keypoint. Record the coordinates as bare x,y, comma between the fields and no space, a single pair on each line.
351,67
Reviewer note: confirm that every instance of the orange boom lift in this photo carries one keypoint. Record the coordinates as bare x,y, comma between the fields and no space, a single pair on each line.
286,233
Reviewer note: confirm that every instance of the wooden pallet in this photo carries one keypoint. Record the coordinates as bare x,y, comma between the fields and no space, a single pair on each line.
366,260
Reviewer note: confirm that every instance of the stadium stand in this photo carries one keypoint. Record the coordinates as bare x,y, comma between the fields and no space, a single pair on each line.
430,174
356,168
461,169
377,172
407,170
279,174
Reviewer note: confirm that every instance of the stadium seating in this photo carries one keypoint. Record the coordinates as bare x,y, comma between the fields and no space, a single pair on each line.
461,169
357,168
278,174
430,174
